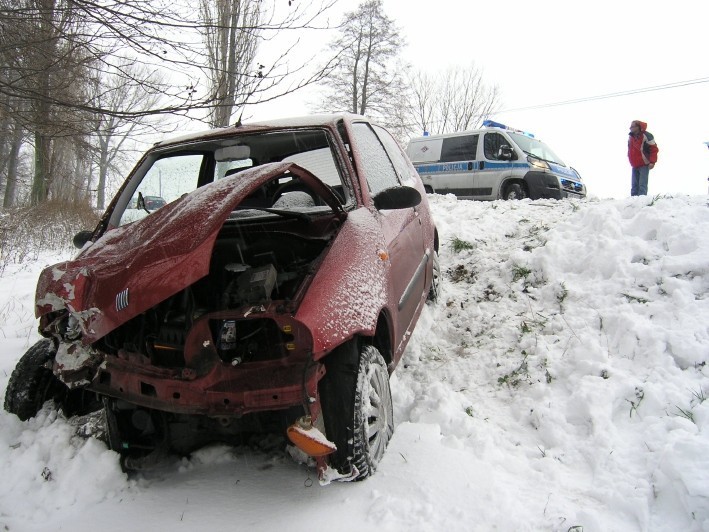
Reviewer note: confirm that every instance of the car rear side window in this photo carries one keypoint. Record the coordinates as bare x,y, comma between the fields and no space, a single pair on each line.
376,166
462,148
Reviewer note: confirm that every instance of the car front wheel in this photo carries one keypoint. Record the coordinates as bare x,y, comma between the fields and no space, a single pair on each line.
514,191
357,409
32,383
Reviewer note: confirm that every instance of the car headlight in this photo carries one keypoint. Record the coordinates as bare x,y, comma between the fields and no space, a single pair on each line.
537,163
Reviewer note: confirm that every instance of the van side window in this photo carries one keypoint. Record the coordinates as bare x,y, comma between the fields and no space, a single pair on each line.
462,148
493,141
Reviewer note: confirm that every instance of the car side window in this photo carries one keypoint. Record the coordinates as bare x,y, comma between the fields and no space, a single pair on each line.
376,165
493,141
401,163
462,148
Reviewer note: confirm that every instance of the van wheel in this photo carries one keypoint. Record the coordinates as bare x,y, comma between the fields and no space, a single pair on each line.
514,191
357,408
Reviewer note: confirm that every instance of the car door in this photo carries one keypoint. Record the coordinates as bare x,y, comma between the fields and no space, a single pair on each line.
493,168
401,228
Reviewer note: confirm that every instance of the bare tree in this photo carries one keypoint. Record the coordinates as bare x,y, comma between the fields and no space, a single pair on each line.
40,60
456,100
230,36
115,91
15,137
165,34
368,77
51,52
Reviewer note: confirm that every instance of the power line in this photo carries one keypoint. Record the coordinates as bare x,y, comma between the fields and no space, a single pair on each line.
611,95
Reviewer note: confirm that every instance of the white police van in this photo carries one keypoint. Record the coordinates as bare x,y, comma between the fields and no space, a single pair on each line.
493,163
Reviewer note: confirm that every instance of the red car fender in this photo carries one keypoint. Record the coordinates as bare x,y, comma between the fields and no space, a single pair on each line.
351,286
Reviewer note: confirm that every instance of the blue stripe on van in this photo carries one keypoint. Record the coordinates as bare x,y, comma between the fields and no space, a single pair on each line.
464,166
497,166
563,170
444,168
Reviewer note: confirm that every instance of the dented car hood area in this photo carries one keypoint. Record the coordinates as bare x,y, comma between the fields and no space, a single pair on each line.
134,267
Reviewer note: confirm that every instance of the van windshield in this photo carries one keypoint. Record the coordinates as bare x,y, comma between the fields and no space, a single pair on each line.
536,148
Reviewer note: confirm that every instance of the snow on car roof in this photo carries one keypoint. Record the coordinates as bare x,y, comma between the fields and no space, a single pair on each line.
319,120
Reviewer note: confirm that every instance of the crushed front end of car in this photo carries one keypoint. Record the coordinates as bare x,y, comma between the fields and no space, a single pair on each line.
184,321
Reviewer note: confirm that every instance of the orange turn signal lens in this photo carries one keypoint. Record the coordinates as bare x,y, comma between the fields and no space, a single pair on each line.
309,439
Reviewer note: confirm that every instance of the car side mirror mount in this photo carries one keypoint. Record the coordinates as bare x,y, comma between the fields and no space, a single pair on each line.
81,238
397,198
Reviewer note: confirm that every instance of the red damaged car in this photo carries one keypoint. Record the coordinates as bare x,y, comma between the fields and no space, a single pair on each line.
274,289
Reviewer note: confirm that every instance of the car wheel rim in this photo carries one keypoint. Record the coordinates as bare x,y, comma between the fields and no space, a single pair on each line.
377,411
435,277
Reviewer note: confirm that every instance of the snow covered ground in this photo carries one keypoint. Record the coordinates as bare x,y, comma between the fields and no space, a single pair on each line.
559,384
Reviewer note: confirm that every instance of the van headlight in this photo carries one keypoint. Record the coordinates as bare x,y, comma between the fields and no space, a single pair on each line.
537,163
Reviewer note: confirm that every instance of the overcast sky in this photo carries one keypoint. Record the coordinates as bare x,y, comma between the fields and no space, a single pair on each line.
553,51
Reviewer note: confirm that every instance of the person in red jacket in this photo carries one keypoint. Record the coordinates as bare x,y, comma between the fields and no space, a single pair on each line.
642,154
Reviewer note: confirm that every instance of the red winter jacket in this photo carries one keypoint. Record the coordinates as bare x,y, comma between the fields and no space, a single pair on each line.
642,149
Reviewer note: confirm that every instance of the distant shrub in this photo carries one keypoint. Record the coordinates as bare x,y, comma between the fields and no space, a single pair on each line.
26,232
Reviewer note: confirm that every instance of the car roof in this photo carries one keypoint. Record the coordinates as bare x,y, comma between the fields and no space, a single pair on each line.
320,120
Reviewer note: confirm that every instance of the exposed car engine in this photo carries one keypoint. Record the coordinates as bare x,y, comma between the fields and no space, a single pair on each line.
247,271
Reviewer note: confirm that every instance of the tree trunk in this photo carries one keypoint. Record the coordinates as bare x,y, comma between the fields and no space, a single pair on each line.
12,164
40,182
102,175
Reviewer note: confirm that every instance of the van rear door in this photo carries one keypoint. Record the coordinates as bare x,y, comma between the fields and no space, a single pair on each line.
425,153
447,165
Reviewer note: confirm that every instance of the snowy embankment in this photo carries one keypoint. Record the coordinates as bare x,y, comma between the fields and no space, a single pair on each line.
559,382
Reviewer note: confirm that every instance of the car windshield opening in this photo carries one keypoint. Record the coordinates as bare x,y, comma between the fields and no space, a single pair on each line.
178,170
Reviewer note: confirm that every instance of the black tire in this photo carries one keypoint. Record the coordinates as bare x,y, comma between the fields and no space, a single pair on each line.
357,409
435,289
32,383
514,191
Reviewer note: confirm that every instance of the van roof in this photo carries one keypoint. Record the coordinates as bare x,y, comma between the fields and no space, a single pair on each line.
457,133
488,125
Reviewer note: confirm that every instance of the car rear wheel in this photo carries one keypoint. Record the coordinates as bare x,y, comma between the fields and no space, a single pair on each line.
515,191
357,409
32,383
